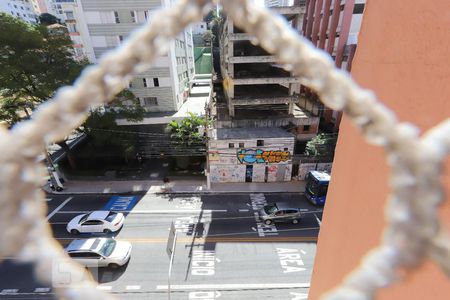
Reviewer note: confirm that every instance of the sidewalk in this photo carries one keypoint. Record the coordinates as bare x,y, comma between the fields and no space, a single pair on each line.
176,186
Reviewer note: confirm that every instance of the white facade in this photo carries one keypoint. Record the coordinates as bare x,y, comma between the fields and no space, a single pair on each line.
250,155
272,3
22,9
96,27
199,28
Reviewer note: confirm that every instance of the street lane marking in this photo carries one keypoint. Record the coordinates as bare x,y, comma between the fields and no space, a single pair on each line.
9,291
238,286
42,290
213,240
58,208
318,220
150,211
133,287
104,287
48,199
243,210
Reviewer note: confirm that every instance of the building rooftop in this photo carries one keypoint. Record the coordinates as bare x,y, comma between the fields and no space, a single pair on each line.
249,133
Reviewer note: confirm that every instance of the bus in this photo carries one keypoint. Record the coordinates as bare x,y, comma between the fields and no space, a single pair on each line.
317,187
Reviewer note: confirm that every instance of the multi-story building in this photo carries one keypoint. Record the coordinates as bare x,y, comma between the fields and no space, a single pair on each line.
99,26
40,6
336,33
259,94
273,3
22,9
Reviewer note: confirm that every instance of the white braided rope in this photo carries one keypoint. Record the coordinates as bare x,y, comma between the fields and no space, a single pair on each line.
413,231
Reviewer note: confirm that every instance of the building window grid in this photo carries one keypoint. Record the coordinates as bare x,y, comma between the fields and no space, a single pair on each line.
133,16
259,143
116,17
144,80
150,101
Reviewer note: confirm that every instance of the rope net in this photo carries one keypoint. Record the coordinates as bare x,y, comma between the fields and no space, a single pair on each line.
412,234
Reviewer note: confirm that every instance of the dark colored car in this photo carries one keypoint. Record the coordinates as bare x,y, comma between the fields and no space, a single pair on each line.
279,212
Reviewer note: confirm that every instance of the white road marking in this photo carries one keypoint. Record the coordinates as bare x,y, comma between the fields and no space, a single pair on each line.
48,199
42,290
9,291
318,220
133,287
243,210
58,208
298,296
190,211
304,209
232,286
104,287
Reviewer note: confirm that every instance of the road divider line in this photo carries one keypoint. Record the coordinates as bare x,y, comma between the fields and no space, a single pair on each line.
58,208
133,287
104,287
243,210
155,211
42,290
9,291
237,286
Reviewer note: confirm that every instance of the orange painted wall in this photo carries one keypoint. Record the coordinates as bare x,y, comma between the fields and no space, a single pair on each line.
403,55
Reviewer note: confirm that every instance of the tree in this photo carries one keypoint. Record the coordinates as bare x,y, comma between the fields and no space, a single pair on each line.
322,145
188,137
186,131
48,19
207,36
34,65
211,15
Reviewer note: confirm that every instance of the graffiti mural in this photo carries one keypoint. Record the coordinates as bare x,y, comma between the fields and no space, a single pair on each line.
259,156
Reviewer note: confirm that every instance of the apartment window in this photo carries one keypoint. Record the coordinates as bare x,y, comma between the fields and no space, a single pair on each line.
259,143
358,8
144,80
146,15
116,17
306,127
133,16
21,7
155,82
231,145
120,38
15,6
241,145
71,27
286,149
150,101
69,15
130,84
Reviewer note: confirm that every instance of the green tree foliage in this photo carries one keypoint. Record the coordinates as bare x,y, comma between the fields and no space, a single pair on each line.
34,65
48,19
186,131
322,145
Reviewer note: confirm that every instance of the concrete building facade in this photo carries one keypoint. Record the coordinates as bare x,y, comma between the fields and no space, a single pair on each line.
22,9
250,155
333,25
99,26
259,97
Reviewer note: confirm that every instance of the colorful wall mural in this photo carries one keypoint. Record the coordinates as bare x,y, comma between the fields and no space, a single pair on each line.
259,156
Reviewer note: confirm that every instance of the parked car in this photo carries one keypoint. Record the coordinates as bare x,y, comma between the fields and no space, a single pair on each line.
100,252
96,221
279,212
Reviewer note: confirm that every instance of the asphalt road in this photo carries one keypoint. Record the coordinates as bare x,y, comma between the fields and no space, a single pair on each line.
222,251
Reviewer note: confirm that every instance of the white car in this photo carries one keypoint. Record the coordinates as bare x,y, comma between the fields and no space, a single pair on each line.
96,221
100,252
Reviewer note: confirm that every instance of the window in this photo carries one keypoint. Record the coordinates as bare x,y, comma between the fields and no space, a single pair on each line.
358,8
150,101
259,142
306,127
144,80
15,6
130,85
71,27
133,16
146,15
120,38
155,82
116,17
21,7
69,15
231,145
92,222
286,149
241,145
